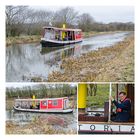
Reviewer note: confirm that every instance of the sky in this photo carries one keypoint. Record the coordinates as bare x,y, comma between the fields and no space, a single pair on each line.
105,14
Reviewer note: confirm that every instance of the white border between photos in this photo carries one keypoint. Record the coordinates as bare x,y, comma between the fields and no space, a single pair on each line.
69,3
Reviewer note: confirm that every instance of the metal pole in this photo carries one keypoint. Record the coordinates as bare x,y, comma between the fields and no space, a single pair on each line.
117,90
82,95
109,114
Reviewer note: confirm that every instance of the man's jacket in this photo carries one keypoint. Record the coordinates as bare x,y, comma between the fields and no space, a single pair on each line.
123,110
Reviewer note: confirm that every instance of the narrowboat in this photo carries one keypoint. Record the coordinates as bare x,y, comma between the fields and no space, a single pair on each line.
55,37
46,105
92,121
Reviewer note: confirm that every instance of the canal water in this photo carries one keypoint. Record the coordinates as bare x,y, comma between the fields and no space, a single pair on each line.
65,122
24,62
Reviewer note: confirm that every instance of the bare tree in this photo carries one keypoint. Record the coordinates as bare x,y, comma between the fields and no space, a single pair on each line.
65,16
28,21
85,22
92,89
15,17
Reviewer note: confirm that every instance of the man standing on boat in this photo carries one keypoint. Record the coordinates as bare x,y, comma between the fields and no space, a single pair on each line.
123,111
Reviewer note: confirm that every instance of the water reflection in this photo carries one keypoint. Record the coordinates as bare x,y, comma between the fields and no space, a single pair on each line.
25,61
57,54
68,121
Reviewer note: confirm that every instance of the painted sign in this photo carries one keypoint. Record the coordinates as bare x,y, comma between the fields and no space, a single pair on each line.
107,128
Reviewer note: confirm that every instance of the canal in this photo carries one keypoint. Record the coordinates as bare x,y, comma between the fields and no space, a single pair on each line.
24,62
58,123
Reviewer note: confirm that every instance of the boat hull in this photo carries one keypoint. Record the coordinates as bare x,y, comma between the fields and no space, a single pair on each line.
55,43
44,111
106,128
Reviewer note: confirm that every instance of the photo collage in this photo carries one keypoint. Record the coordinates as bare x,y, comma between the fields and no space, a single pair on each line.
69,70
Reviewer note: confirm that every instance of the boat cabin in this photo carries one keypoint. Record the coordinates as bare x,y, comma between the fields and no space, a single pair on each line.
99,121
53,36
48,104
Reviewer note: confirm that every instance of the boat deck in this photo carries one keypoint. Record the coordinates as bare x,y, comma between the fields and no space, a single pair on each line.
111,122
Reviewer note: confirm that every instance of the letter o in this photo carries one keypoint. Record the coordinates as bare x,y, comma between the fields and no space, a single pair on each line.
92,127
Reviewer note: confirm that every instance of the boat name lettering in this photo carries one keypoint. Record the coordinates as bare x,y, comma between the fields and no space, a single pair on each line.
106,127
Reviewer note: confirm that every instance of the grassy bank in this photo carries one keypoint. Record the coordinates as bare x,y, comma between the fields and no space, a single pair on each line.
22,39
9,104
92,33
114,63
36,38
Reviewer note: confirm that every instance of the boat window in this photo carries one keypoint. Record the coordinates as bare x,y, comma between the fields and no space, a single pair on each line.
44,103
18,103
49,34
54,102
66,104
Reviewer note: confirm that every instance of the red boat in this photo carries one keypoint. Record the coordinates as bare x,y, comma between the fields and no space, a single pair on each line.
50,105
55,37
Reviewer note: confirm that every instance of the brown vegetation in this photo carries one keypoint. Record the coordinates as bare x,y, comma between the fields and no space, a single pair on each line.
9,104
114,63
22,39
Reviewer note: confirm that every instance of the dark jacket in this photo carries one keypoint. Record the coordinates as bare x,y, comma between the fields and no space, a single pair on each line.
124,113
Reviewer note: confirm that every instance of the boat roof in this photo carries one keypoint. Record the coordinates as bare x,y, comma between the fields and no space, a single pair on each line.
61,29
30,99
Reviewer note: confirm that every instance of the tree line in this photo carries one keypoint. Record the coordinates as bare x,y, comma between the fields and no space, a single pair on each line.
41,91
24,20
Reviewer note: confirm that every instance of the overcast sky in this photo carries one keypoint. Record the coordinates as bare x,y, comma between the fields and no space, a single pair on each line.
104,14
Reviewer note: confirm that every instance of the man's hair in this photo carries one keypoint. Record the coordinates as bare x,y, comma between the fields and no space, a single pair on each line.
122,92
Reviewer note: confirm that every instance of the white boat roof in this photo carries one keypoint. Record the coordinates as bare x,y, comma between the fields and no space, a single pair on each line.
62,29
30,99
